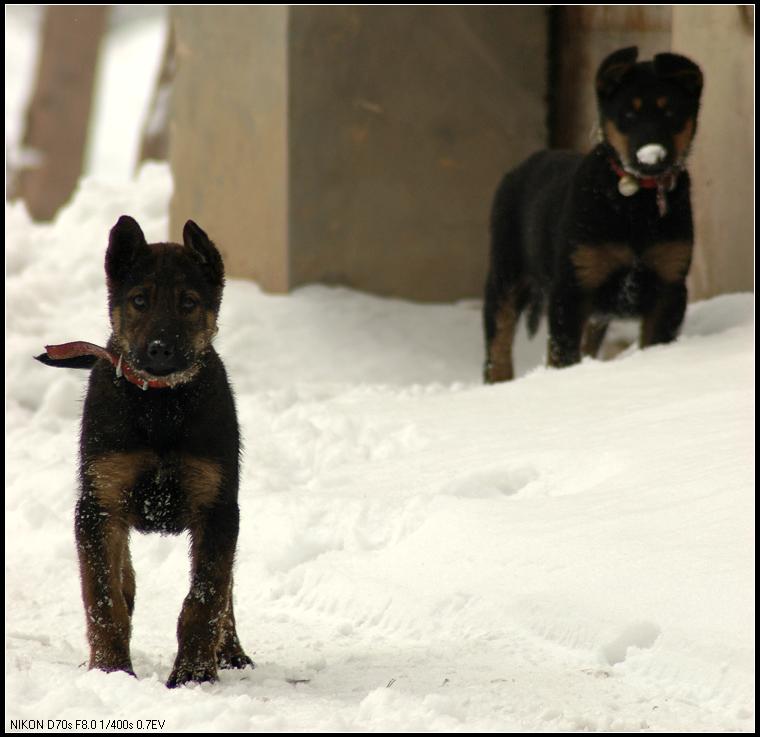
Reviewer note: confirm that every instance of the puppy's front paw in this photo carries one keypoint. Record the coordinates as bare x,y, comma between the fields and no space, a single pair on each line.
191,673
110,661
237,661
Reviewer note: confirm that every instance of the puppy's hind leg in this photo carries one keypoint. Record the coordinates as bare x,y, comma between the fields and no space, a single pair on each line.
661,323
500,314
593,336
568,312
504,294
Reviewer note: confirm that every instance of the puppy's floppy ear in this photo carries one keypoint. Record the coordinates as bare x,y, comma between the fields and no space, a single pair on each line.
205,252
614,68
125,243
684,72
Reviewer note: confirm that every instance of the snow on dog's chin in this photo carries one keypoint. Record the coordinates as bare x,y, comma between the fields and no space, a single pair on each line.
174,379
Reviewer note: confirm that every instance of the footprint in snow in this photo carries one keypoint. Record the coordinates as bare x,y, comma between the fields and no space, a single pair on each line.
494,483
639,635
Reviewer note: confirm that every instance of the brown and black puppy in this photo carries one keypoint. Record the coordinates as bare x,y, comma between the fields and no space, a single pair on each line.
604,235
159,449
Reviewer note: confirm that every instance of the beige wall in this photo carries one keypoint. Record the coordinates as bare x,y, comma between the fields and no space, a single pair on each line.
228,135
354,145
721,39
402,122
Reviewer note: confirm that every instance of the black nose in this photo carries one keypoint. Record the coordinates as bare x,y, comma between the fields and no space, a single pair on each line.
160,356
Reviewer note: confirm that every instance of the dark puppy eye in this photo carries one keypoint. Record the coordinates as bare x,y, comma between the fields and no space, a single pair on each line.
188,303
140,302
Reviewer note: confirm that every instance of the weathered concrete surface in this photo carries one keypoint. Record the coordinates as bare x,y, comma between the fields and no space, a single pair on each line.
58,115
402,122
721,39
228,135
354,145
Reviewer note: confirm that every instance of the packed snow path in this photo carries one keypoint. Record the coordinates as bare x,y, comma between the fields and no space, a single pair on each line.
570,551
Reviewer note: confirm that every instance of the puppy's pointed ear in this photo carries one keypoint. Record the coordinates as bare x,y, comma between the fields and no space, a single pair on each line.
684,72
614,68
125,243
205,252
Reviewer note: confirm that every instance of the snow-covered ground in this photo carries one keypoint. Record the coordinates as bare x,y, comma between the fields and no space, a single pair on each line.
22,23
418,552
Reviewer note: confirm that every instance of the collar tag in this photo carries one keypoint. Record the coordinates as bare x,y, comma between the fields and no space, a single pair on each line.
628,185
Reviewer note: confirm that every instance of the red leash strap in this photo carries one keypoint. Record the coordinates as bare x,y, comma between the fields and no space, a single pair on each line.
80,348
76,349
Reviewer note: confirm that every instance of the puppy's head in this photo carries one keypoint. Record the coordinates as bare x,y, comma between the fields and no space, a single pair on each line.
163,299
648,110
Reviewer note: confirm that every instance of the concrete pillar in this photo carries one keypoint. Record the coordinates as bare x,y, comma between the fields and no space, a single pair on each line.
59,111
354,145
721,40
228,136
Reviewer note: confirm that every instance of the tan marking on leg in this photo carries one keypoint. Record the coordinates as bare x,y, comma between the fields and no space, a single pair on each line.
595,264
662,102
637,102
669,260
500,366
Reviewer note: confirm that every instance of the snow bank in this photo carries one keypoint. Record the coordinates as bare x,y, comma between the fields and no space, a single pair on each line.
21,40
570,551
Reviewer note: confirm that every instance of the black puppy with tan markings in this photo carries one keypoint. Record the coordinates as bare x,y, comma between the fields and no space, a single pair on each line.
604,235
159,448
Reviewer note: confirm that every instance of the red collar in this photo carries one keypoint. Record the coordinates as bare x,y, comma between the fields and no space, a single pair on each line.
645,182
80,348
